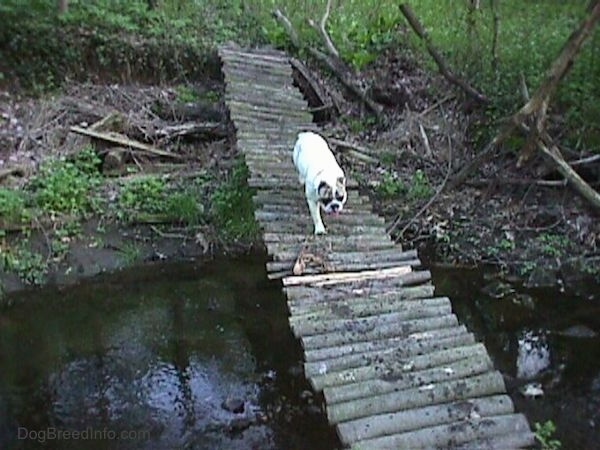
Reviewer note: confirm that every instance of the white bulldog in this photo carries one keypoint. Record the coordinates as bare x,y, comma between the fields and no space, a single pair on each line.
324,180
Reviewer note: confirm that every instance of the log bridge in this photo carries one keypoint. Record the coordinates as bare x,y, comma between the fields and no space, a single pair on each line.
394,365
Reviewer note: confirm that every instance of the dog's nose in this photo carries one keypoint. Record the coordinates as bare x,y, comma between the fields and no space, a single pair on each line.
335,207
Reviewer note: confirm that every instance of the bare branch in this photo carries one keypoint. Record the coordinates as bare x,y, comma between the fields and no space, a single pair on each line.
551,150
323,32
437,57
291,31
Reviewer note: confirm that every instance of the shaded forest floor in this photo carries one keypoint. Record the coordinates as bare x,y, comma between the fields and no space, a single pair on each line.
526,221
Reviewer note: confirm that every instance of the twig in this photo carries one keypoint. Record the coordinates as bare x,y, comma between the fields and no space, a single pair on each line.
323,32
291,31
495,36
425,140
437,57
16,170
167,235
435,105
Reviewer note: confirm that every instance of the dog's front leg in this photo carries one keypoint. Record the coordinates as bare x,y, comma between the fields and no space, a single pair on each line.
315,213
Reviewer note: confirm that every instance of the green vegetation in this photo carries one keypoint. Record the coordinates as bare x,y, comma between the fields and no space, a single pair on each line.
67,186
544,432
553,245
150,199
232,208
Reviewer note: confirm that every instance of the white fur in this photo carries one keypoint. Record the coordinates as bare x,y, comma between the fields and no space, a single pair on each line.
316,164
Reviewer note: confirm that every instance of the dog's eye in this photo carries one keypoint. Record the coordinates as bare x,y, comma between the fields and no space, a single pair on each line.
327,200
339,197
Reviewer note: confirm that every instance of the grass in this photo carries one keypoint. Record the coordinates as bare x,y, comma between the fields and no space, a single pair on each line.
232,208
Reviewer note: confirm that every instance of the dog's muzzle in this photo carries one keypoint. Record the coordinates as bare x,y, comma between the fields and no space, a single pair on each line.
333,208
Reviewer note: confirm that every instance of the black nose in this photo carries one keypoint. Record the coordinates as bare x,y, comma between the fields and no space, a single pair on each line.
335,207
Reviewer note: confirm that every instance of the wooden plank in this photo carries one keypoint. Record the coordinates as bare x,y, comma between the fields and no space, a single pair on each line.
457,433
316,325
334,278
388,331
395,369
490,383
274,273
339,304
419,418
412,340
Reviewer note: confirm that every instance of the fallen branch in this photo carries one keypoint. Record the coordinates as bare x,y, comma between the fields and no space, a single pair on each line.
315,87
332,65
437,57
216,129
124,141
354,150
549,149
20,171
536,106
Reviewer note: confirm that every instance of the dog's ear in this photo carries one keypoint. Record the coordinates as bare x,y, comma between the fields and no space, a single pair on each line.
341,181
324,190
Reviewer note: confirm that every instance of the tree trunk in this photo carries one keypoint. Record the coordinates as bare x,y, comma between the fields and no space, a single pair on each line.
63,6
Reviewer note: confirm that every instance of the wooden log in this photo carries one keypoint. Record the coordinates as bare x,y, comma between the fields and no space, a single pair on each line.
276,64
413,347
415,339
256,117
355,207
324,239
340,229
247,90
312,304
372,244
344,217
377,283
485,429
251,65
521,439
306,298
303,327
334,278
272,55
394,254
350,310
407,328
419,418
257,75
394,369
264,105
486,384
467,367
274,273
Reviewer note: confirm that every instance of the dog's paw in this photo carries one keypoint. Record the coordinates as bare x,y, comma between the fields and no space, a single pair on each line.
320,231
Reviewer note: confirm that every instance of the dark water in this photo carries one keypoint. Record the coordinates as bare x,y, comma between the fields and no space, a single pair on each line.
145,360
540,338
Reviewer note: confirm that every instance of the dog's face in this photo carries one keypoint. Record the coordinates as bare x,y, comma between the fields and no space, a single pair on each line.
332,195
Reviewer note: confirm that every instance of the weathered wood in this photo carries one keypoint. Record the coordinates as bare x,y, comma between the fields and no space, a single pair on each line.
520,439
334,278
452,434
124,141
412,340
390,359
387,331
419,418
276,273
489,383
366,307
455,370
312,326
413,347
309,301
394,368
271,55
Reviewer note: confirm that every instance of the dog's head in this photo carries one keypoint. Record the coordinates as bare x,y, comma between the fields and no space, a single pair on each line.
332,194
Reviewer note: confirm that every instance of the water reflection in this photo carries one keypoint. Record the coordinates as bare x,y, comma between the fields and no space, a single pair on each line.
151,363
533,356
